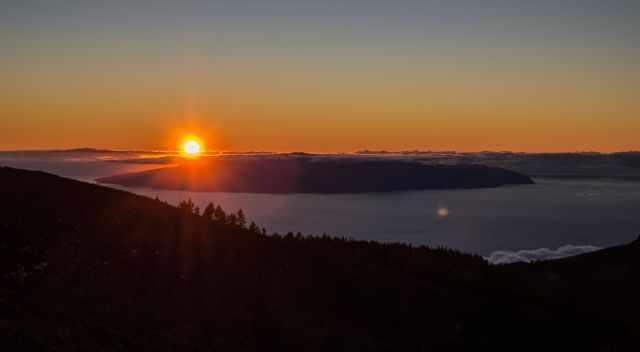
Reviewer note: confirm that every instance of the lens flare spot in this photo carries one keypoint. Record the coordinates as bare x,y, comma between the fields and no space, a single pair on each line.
443,212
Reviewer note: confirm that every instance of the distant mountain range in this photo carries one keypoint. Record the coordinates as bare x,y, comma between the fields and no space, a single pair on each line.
365,152
590,165
306,175
89,268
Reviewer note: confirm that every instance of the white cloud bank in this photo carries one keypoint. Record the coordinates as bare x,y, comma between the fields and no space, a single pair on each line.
530,255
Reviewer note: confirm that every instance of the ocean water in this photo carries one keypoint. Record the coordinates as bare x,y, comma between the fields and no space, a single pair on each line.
552,218
550,214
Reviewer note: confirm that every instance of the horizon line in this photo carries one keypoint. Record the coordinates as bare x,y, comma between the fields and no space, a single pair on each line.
364,151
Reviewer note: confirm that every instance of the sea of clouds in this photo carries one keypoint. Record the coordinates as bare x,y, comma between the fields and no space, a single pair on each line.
531,255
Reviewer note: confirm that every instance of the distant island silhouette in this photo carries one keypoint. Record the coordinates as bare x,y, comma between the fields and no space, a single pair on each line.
90,268
306,175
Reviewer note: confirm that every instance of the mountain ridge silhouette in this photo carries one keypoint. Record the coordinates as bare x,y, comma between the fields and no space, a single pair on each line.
87,267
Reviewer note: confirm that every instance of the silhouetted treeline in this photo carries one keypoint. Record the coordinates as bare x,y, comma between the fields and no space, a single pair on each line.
216,214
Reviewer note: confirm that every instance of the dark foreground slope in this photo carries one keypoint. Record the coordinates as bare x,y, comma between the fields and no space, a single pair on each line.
303,175
87,268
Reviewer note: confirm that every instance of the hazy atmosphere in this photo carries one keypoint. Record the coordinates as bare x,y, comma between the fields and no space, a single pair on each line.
291,75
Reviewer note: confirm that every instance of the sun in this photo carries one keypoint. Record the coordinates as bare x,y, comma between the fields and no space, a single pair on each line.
191,146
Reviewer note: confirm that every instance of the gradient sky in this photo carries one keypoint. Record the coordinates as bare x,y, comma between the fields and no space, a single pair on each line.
321,76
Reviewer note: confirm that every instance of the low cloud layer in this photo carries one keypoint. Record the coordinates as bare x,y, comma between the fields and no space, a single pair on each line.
530,255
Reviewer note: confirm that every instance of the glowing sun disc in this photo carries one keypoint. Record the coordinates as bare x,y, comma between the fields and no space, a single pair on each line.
191,147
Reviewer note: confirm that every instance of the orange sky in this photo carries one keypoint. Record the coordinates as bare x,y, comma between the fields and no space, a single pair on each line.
472,117
313,77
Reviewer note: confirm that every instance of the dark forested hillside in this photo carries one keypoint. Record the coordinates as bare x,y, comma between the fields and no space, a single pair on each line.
88,268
